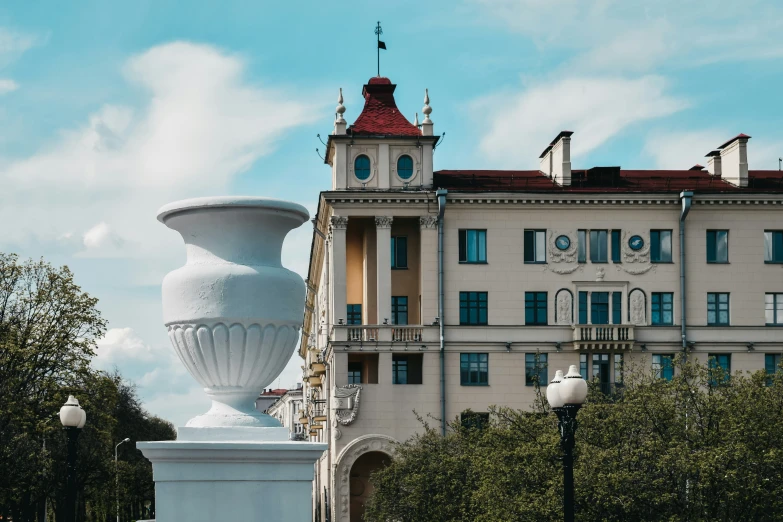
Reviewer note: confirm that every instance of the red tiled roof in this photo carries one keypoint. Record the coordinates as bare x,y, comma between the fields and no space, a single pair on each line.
278,391
380,115
604,180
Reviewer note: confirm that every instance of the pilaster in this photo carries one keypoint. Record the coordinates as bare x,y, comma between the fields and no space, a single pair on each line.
428,268
339,224
383,226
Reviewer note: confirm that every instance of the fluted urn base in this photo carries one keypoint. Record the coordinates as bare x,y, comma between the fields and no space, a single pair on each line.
233,410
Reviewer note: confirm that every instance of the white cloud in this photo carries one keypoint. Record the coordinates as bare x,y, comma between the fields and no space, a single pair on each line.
121,345
622,35
7,86
683,149
101,236
521,124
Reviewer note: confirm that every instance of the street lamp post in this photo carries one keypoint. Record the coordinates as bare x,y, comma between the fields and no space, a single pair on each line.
565,395
72,417
117,475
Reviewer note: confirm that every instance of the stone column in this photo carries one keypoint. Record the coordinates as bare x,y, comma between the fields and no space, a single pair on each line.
339,224
383,226
428,268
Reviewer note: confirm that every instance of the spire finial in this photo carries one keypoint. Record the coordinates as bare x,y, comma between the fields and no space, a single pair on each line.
416,120
427,109
340,110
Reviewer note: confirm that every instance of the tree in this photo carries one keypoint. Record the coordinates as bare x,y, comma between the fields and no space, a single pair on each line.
48,333
697,448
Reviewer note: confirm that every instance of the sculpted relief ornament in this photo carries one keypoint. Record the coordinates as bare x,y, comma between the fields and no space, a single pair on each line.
565,308
345,403
562,249
428,221
635,248
637,308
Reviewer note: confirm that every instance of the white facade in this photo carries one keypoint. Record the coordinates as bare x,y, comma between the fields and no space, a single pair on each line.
541,269
288,410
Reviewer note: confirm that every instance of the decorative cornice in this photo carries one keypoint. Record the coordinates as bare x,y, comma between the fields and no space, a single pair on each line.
383,221
339,222
428,221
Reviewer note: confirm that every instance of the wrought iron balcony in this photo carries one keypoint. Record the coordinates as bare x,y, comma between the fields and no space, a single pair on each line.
603,337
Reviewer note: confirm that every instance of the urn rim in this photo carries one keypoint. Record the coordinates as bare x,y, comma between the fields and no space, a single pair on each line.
237,202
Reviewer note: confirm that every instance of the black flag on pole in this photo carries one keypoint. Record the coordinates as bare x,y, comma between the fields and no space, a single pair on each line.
381,45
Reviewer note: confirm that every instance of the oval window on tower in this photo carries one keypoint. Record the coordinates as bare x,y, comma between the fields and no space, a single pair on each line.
361,167
405,167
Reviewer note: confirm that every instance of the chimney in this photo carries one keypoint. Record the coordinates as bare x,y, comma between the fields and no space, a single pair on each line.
713,163
556,159
734,160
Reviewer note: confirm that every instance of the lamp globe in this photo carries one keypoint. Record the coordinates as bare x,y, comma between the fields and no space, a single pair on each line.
553,391
71,414
573,389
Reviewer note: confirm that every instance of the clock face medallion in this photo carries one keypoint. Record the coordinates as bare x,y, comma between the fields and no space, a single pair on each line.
636,242
562,242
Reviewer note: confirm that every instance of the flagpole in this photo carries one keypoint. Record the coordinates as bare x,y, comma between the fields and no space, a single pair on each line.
378,32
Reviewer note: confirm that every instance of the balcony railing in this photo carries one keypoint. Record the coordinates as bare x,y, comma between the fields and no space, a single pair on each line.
385,333
603,336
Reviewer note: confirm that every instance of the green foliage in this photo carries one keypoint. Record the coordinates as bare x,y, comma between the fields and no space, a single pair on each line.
48,329
659,450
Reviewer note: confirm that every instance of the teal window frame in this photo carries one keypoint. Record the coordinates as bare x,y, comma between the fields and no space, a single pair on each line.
616,249
405,167
722,360
399,310
474,369
354,314
772,365
599,308
660,246
535,247
717,246
663,365
473,246
363,165
717,306
473,308
662,308
599,246
773,246
536,308
773,308
399,252
581,246
355,370
536,367
617,308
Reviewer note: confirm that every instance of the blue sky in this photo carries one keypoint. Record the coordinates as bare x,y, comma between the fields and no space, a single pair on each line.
110,109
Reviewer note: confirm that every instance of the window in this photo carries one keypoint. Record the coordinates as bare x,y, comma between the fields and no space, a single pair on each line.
474,369
406,368
617,308
618,368
662,365
535,308
583,365
661,246
581,246
405,167
599,308
717,309
771,365
399,252
773,246
473,308
399,369
536,369
472,246
582,307
602,372
474,420
662,308
535,246
616,252
720,368
400,309
717,246
598,246
773,306
361,167
354,314
354,373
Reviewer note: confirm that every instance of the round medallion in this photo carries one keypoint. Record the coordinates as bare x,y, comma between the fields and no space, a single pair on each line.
636,242
563,242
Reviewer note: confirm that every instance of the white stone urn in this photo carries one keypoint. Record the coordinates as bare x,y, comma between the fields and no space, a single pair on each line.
233,312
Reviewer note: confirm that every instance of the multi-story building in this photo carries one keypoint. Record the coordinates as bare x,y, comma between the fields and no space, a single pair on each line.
432,293
288,410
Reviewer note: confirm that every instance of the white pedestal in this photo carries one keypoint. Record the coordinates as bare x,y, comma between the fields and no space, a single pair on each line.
238,480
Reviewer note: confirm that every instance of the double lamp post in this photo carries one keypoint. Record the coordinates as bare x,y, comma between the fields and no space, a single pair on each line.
565,395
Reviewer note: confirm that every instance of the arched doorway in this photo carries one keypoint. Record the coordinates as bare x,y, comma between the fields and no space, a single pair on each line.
360,485
350,488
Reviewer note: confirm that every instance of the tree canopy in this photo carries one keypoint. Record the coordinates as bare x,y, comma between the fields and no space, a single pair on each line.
699,447
48,333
